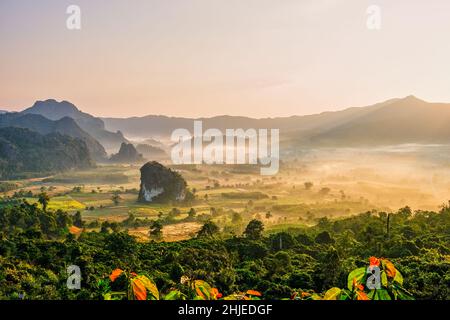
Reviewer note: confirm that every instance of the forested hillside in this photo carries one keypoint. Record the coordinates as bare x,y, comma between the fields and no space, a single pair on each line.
55,110
24,152
37,246
65,126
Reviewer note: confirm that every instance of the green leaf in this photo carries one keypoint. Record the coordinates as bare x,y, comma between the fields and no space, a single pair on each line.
345,295
315,296
357,274
382,294
233,297
203,289
401,293
117,295
174,295
398,278
332,294
384,280
107,296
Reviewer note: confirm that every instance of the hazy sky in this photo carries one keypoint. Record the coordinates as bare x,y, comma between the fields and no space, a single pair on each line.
208,57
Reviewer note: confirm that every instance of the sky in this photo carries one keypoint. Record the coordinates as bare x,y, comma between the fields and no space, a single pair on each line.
257,58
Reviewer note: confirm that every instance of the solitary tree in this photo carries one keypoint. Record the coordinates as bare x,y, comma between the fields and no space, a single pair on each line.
116,198
324,191
77,220
156,230
236,218
208,230
192,213
308,185
115,227
44,199
189,197
254,230
174,212
324,238
105,227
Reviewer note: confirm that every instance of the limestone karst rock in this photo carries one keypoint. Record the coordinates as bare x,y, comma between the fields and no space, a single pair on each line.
127,154
160,184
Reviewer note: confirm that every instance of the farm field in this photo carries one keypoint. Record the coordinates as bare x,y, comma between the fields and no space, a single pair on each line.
301,194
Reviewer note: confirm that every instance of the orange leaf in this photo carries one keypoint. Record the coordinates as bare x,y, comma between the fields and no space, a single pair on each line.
139,290
75,230
215,293
362,296
374,262
115,274
355,283
390,269
254,293
149,285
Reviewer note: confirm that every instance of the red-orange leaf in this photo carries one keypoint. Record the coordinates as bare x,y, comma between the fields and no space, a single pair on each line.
139,290
374,262
361,296
115,274
254,293
75,230
215,294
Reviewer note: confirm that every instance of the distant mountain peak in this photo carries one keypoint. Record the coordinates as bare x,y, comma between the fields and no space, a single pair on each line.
412,98
57,110
52,104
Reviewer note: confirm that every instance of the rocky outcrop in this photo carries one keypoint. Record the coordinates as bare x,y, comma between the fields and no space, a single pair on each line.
160,184
127,154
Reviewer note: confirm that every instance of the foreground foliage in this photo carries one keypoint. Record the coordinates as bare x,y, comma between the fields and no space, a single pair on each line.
141,287
328,261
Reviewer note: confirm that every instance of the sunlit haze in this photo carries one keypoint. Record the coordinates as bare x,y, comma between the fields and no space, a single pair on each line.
195,58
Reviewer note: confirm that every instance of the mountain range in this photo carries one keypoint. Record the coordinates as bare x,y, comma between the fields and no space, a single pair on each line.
54,110
408,120
396,121
44,126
